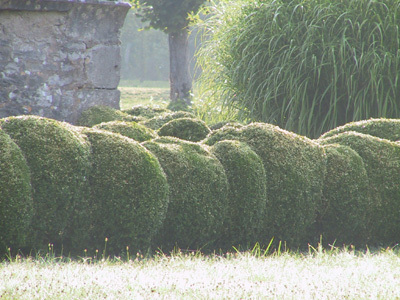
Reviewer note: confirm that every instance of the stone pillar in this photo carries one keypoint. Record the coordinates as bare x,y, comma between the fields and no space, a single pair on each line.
59,57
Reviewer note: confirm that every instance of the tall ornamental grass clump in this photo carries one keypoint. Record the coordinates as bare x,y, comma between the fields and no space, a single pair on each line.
198,194
295,168
16,206
128,193
306,66
58,161
382,163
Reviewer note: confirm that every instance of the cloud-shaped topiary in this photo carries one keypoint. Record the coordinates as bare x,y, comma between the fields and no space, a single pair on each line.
295,168
227,132
382,162
99,114
132,130
198,193
146,112
383,128
129,192
158,121
75,186
247,194
16,206
346,198
219,125
189,129
58,160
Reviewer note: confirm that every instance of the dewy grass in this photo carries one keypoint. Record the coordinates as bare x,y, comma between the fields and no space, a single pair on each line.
318,274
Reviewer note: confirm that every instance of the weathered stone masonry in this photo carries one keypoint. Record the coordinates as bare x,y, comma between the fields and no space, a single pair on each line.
57,58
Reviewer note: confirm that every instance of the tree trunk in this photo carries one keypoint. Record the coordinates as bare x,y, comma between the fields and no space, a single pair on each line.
180,79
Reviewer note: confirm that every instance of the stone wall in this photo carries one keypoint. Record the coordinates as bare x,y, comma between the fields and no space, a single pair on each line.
57,58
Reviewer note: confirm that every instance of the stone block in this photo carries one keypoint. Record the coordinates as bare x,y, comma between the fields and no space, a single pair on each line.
103,66
58,58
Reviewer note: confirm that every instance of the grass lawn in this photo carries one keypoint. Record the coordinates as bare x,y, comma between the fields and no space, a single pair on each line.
319,275
152,93
131,96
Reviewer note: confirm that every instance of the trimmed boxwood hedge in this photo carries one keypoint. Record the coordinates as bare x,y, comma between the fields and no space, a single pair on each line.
58,160
189,129
346,198
158,121
16,206
383,128
198,194
99,114
295,167
132,130
247,195
226,132
129,193
146,112
219,125
75,186
382,162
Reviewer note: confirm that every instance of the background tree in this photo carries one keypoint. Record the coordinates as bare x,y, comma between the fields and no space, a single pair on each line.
173,18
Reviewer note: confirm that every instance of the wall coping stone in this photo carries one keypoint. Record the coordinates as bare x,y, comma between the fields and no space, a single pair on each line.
53,5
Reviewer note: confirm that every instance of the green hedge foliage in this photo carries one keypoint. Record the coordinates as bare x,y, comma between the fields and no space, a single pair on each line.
16,206
128,194
189,129
75,186
295,169
382,162
132,130
383,128
146,112
247,195
219,125
226,132
342,217
59,163
198,193
99,114
158,121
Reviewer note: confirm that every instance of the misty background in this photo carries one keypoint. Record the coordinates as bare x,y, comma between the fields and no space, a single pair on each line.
145,54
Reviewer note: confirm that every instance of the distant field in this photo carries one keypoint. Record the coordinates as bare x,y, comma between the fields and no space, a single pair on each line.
144,84
131,96
152,93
